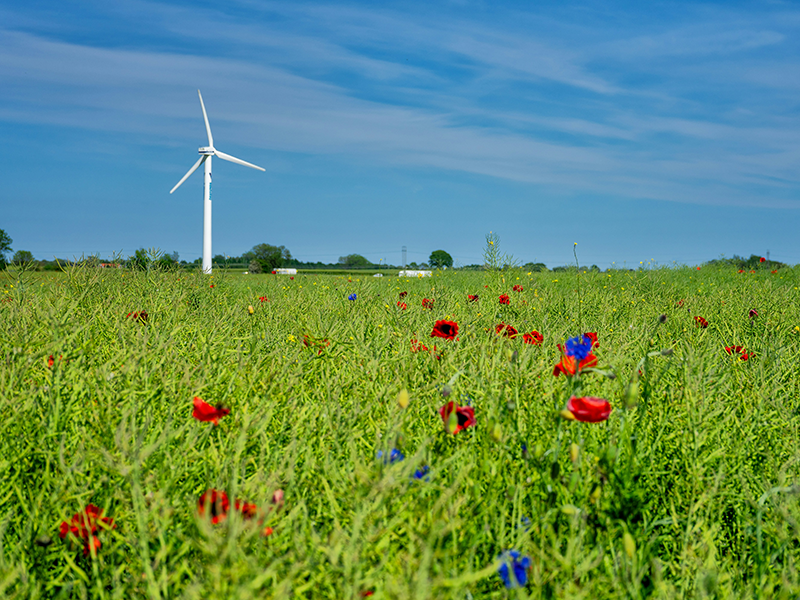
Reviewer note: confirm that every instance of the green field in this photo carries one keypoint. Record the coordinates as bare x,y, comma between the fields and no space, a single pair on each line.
688,490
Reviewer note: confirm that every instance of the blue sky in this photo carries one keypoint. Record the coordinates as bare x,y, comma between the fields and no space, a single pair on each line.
665,131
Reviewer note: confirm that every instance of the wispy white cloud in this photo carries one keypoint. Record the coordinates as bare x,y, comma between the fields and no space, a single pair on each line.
571,115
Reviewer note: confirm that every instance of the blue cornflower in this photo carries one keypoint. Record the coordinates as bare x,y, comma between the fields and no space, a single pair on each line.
579,347
422,473
520,567
352,297
394,456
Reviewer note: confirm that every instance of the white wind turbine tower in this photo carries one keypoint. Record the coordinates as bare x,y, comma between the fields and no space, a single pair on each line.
206,153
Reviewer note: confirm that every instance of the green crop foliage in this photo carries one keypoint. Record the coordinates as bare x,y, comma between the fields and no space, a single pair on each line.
689,489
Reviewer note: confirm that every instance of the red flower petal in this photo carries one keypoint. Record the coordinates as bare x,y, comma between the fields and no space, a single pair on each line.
589,409
203,411
506,330
445,329
464,414
534,337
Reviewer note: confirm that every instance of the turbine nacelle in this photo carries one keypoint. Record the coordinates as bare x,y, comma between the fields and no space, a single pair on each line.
206,150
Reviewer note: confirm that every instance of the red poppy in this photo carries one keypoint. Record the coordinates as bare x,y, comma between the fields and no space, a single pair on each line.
84,526
465,416
292,278
51,360
534,337
140,316
320,345
698,268
506,330
248,509
568,365
679,303
762,259
589,409
700,322
504,299
402,305
517,288
743,354
472,297
217,504
417,346
211,286
426,303
403,294
592,335
753,313
445,329
773,272
263,299
203,411
741,270
752,271
274,272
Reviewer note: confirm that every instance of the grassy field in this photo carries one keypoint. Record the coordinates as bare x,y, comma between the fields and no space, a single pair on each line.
687,490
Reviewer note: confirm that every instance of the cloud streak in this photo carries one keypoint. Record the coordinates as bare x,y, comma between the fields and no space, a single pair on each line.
459,96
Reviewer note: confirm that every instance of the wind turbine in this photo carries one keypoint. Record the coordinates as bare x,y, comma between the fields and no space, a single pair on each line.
206,152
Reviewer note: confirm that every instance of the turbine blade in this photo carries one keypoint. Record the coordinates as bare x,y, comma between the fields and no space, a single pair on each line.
192,170
238,161
205,117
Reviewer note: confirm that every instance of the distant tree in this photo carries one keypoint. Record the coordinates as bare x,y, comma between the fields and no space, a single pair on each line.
439,259
5,246
139,261
535,267
22,257
254,267
269,257
352,261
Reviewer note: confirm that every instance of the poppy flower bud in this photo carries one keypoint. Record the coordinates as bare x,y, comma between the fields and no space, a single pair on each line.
446,391
595,496
452,423
250,309
574,451
43,541
403,398
666,352
662,318
497,432
629,544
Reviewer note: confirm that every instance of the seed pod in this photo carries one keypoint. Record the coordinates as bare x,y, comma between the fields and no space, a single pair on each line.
632,394
629,544
574,450
570,510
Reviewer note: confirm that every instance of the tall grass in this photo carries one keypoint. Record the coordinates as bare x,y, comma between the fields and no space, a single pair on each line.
688,490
